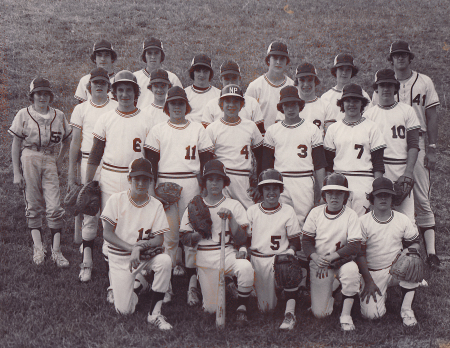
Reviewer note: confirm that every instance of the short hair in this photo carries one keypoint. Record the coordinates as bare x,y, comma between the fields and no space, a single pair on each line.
370,197
260,187
397,87
340,103
221,103
52,97
113,56
347,194
316,79
135,88
88,87
389,58
226,181
197,68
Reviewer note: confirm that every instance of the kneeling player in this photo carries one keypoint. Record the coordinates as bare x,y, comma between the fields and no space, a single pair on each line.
208,250
274,231
385,233
129,217
332,233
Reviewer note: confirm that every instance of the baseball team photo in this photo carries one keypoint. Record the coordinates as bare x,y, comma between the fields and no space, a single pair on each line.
225,174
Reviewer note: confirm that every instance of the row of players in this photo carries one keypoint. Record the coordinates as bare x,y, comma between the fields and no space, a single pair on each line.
125,124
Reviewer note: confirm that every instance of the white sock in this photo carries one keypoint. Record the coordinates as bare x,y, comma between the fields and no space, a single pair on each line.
193,281
37,239
428,235
290,306
57,242
347,306
87,255
157,309
407,300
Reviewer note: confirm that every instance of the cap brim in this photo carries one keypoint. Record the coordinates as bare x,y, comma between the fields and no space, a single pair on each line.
387,81
218,172
37,89
201,64
159,80
96,78
335,187
270,181
175,98
287,100
133,174
232,95
278,53
353,95
392,192
230,72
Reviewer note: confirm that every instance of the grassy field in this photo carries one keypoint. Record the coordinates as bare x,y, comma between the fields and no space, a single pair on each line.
48,307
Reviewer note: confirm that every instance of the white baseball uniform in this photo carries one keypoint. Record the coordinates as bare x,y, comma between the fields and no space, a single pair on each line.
156,114
133,222
84,117
353,144
143,79
267,95
383,241
394,122
331,233
293,145
208,253
233,143
82,94
198,99
419,92
270,230
40,134
251,111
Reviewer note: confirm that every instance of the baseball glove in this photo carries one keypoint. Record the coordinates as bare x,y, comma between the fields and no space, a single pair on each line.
89,198
338,263
169,192
402,187
71,196
408,266
200,217
288,271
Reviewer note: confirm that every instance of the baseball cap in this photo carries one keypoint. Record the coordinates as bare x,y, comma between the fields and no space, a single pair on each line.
277,48
307,69
159,75
201,60
289,94
344,59
140,166
40,84
385,75
230,67
103,45
215,166
231,90
125,76
270,176
335,181
99,74
152,42
352,90
175,93
400,46
382,185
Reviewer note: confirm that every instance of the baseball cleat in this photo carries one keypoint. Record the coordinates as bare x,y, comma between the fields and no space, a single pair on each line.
85,272
288,322
159,321
434,262
347,323
193,296
241,317
409,320
59,259
179,271
38,255
110,296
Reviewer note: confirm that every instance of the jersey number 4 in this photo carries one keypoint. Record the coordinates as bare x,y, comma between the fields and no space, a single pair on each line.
417,99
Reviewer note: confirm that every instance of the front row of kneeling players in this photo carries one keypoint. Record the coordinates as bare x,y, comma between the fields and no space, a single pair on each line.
331,232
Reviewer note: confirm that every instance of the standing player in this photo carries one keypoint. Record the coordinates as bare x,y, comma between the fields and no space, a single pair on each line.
234,140
201,91
332,232
153,56
83,120
417,90
159,86
103,56
384,234
316,110
214,179
128,218
400,127
36,131
354,146
230,74
274,230
178,149
266,88
343,70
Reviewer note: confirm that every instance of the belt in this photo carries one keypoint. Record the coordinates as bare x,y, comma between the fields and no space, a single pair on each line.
44,150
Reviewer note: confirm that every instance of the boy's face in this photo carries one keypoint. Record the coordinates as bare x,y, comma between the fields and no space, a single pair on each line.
335,199
231,106
291,110
382,201
307,85
386,92
153,58
159,90
344,74
125,94
214,184
41,99
401,60
177,109
230,79
271,194
140,185
201,76
103,60
99,88
352,106
277,63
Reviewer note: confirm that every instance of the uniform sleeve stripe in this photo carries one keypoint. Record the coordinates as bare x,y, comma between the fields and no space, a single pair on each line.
378,147
309,234
211,148
151,148
17,135
329,149
79,98
103,217
259,144
160,231
98,137
68,135
412,128
432,105
412,238
269,146
353,240
296,235
316,145
75,125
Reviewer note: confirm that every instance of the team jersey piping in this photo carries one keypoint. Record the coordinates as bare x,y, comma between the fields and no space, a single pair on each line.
179,127
352,124
99,106
113,168
200,92
273,85
333,217
383,222
293,125
240,172
230,123
128,115
303,174
177,175
269,212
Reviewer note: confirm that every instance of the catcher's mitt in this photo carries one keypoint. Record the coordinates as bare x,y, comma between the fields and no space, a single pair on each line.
169,192
402,187
89,198
200,217
288,271
71,196
252,190
151,252
338,263
408,266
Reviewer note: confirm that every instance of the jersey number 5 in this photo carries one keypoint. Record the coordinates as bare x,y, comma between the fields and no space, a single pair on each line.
55,137
275,240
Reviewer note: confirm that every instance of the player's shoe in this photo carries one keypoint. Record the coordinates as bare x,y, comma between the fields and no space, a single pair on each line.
409,320
59,259
179,271
110,296
85,272
288,322
347,323
193,296
434,262
38,255
241,317
159,321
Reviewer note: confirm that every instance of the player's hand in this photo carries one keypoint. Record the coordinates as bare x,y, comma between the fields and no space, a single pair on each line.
196,237
320,260
430,159
225,213
165,204
370,289
135,258
19,181
322,272
241,255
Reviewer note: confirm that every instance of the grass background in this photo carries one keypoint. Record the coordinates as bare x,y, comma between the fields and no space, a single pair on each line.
47,307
